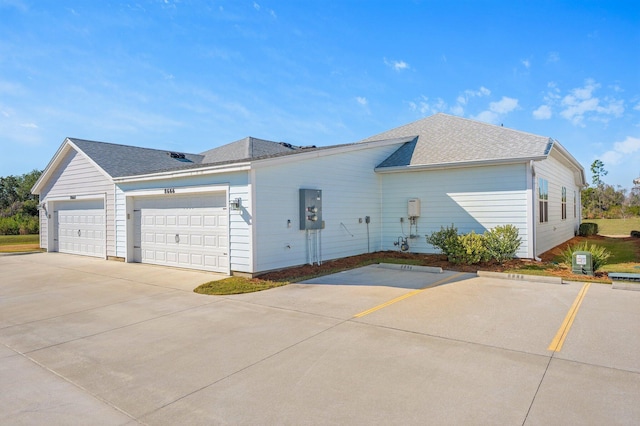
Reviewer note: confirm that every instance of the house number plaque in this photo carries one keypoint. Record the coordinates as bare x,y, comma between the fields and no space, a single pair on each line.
169,190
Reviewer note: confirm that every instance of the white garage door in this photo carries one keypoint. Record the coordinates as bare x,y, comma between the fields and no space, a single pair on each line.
80,228
188,232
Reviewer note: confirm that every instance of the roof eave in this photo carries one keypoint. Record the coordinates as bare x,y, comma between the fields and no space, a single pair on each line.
66,145
331,150
221,168
571,159
457,165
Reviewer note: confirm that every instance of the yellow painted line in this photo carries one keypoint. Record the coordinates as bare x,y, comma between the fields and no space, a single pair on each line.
407,295
563,331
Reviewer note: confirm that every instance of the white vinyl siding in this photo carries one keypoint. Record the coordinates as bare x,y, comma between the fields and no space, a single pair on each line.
472,199
350,192
556,230
76,176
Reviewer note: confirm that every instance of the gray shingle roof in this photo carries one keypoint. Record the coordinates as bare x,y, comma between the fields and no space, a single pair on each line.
124,160
446,139
246,148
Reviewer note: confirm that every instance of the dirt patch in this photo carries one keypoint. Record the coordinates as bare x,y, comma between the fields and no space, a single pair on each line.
16,248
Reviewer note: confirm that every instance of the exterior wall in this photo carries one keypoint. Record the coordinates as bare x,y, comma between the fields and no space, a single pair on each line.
556,230
473,199
76,176
350,192
240,221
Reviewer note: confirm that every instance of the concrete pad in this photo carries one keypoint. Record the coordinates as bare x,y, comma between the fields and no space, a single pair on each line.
375,275
32,395
347,293
493,312
606,330
148,365
55,302
76,325
101,336
574,393
70,265
361,374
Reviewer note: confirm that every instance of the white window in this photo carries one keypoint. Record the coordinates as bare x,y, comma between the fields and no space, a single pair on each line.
564,203
543,200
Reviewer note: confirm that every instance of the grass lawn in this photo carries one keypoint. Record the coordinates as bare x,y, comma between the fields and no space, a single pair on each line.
19,243
616,226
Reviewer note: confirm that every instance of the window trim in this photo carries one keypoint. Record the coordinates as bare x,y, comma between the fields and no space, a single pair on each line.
543,200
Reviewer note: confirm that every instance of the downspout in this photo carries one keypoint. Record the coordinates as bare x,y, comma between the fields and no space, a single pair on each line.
533,210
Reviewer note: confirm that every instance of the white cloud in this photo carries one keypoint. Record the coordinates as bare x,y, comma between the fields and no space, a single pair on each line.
628,146
18,4
396,65
425,106
526,63
361,100
553,57
611,158
621,150
29,125
463,99
542,113
504,105
256,6
497,109
487,117
581,103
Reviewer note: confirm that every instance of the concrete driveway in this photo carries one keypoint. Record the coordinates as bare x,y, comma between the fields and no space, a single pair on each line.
86,341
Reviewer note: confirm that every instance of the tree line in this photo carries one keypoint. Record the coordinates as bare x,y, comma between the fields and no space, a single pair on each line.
18,206
603,201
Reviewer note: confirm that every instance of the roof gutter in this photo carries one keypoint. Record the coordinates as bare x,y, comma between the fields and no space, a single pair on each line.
324,151
457,165
238,167
572,160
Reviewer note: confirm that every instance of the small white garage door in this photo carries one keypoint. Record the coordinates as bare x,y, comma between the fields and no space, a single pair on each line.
80,227
184,231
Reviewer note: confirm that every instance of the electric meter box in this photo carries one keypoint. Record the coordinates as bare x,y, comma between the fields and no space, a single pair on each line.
413,207
582,263
310,209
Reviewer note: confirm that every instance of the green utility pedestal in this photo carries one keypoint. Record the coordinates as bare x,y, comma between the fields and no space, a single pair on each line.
582,263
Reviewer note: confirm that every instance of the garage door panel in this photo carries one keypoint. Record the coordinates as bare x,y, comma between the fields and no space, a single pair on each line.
80,228
187,233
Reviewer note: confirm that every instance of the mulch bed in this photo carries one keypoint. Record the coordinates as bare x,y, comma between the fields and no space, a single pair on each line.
438,260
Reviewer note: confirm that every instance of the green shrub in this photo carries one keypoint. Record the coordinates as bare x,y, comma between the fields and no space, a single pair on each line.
9,226
19,225
502,242
446,240
587,229
471,249
599,255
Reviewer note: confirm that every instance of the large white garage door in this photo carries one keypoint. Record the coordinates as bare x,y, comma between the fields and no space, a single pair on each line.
80,227
184,231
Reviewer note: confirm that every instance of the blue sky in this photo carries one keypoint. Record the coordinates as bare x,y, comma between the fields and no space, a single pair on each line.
191,75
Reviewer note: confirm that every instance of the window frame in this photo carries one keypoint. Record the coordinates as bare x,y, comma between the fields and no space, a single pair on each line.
563,203
543,200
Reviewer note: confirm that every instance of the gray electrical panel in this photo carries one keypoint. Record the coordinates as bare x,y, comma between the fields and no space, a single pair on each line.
310,209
